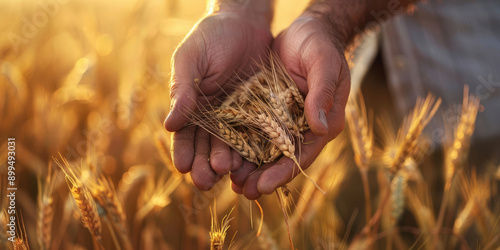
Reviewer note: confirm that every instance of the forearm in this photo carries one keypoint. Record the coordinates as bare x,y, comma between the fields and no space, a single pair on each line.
350,17
261,11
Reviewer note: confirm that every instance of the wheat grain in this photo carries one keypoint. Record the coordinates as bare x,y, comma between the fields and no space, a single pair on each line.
235,141
278,69
87,208
283,115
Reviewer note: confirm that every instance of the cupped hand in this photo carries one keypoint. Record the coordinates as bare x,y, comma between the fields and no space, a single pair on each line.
315,60
218,47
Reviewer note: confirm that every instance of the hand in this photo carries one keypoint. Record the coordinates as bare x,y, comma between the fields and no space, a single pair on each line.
315,60
221,45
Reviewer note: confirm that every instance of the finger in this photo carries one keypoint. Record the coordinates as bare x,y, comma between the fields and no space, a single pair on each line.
182,149
183,94
239,177
221,158
237,189
202,174
237,161
277,174
250,188
323,81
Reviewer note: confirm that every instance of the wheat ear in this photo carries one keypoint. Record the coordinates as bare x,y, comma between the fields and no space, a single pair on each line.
398,187
45,210
457,151
279,137
218,232
84,201
412,128
361,131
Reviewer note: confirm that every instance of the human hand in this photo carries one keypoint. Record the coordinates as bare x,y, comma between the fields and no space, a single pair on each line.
315,59
220,45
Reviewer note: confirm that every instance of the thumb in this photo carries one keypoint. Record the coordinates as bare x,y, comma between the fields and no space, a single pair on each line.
183,93
322,82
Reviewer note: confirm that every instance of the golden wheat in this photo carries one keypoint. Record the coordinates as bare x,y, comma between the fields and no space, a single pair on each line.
218,231
73,82
412,128
83,199
45,211
457,150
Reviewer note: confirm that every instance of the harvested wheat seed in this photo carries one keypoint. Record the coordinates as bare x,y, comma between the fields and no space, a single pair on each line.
262,119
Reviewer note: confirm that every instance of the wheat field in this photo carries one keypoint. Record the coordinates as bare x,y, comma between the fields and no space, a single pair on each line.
84,91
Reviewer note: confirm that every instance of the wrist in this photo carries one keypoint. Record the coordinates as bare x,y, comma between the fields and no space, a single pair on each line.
342,19
259,12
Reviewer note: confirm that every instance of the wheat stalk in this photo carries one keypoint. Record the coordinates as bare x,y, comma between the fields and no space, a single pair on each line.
420,205
476,192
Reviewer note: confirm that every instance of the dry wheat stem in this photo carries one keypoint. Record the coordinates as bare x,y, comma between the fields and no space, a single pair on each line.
420,205
285,216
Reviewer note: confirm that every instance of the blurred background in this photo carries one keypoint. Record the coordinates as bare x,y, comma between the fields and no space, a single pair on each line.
88,81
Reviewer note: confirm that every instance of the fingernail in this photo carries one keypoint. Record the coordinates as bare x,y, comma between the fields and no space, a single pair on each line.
322,118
